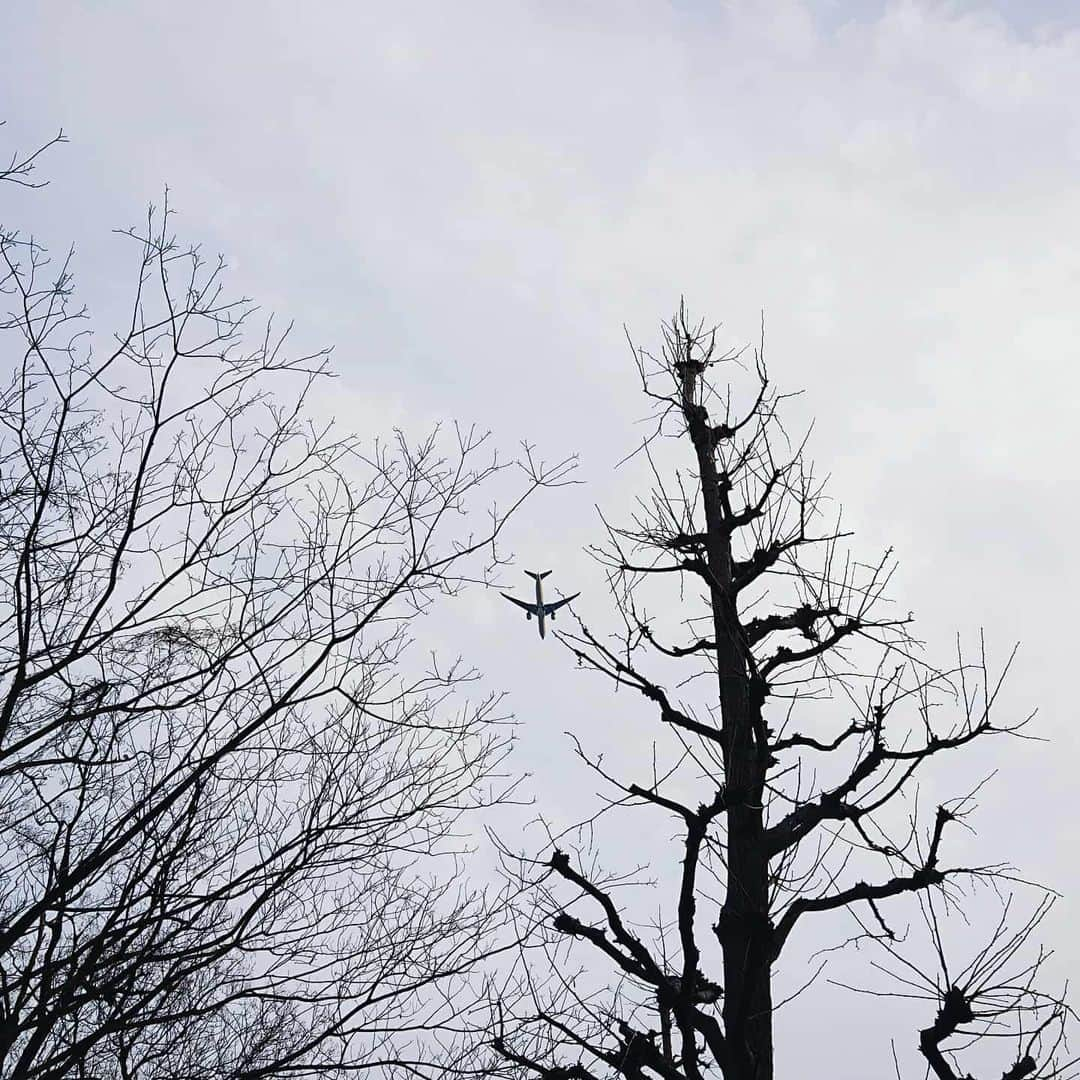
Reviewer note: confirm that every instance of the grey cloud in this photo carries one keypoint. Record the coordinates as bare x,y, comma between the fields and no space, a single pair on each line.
469,201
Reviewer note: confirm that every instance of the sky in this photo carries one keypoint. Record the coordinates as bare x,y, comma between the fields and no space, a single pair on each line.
475,202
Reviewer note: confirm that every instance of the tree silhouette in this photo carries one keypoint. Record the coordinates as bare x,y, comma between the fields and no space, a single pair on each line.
229,805
728,578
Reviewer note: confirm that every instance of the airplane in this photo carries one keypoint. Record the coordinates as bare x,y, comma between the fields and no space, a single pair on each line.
540,609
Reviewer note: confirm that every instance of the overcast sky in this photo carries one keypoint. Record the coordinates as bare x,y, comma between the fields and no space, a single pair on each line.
470,201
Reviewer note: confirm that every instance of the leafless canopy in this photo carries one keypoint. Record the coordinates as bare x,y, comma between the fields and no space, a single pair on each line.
752,633
229,801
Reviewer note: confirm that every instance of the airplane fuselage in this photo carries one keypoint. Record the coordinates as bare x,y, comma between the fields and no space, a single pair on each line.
540,606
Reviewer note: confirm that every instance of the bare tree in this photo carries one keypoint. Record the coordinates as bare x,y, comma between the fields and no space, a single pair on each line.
229,802
740,617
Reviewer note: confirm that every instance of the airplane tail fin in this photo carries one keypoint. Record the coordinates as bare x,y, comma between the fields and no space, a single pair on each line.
538,577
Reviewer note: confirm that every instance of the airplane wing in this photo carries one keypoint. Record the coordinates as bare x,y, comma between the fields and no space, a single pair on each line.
550,609
520,603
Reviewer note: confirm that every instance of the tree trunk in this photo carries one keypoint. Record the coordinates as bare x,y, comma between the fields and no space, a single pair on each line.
743,928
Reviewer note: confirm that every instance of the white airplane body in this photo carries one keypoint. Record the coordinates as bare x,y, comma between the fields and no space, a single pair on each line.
539,608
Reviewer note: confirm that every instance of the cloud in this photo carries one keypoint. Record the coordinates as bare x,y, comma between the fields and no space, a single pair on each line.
470,201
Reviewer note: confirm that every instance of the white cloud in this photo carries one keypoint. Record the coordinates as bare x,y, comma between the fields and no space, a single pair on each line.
470,200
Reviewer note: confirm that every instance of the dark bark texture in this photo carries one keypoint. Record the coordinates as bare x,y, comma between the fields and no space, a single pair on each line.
759,601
